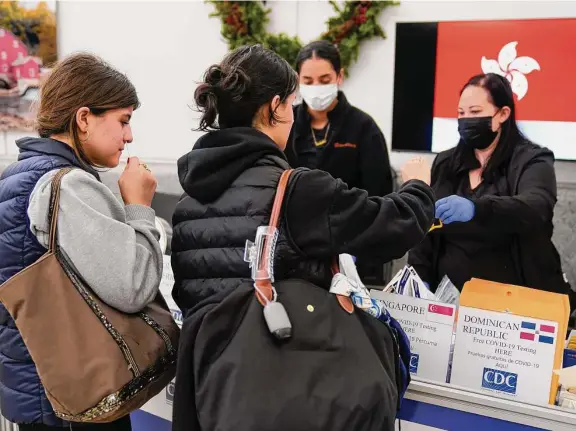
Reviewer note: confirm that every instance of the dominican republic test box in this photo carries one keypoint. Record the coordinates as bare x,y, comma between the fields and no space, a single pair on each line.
509,339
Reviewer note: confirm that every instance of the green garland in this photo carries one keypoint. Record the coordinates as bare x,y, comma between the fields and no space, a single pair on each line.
244,23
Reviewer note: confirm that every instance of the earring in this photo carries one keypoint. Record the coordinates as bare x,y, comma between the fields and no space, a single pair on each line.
87,137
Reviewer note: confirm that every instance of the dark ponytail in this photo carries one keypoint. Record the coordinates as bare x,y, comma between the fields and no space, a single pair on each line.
206,98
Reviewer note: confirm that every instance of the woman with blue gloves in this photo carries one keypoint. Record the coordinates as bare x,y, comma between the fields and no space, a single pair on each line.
496,193
454,208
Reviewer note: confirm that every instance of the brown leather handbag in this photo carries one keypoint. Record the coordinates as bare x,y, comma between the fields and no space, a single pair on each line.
97,364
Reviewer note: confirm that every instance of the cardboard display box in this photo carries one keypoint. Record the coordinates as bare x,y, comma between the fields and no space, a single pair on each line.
509,339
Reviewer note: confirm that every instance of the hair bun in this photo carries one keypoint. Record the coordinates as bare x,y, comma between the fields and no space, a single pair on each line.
226,84
234,92
235,84
203,95
214,75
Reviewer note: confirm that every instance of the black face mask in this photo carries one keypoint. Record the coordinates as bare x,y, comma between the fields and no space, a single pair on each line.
476,132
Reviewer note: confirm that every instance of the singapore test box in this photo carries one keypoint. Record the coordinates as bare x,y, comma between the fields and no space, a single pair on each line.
429,325
509,339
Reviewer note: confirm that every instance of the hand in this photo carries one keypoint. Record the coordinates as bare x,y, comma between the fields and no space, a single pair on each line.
455,209
416,169
137,184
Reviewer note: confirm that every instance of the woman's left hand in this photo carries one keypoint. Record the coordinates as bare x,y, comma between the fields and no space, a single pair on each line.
454,209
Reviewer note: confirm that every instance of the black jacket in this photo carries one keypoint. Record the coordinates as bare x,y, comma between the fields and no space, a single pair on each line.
523,211
230,180
356,150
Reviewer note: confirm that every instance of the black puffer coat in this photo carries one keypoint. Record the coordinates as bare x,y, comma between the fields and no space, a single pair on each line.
230,180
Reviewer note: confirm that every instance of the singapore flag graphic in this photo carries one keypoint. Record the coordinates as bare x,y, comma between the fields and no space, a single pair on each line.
535,56
441,313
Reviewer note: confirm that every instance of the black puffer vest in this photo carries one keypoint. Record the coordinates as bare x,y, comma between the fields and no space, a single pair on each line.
230,180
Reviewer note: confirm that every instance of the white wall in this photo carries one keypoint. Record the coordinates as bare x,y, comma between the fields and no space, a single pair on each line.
165,47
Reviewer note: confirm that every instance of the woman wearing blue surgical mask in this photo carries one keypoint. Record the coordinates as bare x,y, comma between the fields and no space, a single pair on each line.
332,135
496,193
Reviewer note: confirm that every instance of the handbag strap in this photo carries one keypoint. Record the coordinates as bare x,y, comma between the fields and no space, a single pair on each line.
54,207
264,290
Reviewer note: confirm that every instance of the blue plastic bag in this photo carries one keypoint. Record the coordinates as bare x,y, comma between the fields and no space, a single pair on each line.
379,311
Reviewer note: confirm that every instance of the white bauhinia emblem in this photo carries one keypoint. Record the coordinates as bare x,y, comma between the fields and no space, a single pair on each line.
513,68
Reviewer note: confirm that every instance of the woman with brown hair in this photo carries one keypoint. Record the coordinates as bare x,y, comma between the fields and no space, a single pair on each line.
83,122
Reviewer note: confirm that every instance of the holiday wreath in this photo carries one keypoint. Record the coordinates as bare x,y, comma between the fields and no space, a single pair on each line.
244,23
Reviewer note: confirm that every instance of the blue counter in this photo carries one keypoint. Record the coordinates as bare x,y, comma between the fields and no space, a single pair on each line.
447,408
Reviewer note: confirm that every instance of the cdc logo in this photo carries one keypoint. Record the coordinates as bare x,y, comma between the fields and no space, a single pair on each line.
500,381
414,361
170,393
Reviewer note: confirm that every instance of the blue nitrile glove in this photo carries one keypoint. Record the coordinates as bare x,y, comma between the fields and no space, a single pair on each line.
454,209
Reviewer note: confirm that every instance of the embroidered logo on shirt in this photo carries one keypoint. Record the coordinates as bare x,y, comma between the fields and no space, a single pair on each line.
346,145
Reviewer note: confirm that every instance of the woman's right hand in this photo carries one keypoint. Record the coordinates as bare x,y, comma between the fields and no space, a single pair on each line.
416,169
137,184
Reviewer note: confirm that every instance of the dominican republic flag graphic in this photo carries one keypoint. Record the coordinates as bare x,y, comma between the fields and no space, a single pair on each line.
434,61
541,333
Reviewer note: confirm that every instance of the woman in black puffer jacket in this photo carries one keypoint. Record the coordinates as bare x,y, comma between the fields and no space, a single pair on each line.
230,179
